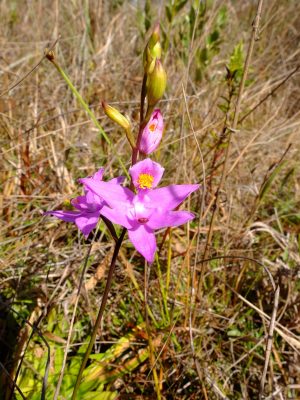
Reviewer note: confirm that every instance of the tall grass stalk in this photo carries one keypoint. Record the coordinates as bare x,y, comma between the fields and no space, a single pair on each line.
51,58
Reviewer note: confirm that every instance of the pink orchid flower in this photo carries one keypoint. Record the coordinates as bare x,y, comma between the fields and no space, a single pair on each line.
88,207
145,211
152,133
146,174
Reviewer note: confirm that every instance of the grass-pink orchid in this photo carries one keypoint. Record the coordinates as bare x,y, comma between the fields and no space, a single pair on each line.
152,133
146,211
88,207
146,174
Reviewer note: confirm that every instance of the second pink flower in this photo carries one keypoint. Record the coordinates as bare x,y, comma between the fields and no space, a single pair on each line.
152,133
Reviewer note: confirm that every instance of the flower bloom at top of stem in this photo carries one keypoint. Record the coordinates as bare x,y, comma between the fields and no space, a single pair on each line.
146,174
152,133
143,212
88,207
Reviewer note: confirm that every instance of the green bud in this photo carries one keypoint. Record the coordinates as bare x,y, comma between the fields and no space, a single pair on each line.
150,66
116,116
155,51
152,51
155,36
119,118
156,84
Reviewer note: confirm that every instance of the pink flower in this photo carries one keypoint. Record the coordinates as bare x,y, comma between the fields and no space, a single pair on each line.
152,133
88,207
146,174
146,211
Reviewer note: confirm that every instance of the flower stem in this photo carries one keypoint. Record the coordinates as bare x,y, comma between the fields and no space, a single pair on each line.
100,313
135,151
85,106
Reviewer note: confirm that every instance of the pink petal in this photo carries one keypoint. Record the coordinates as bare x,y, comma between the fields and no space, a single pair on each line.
169,197
144,241
88,203
98,175
148,167
169,218
87,222
80,203
151,137
116,216
114,195
119,180
68,216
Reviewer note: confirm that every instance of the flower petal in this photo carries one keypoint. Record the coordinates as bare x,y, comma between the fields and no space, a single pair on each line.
114,195
118,181
146,168
152,133
86,222
144,241
98,175
164,219
68,216
169,197
116,216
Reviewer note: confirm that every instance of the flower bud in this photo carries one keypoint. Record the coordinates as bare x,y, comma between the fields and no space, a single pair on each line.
155,36
152,133
116,116
156,83
156,50
152,51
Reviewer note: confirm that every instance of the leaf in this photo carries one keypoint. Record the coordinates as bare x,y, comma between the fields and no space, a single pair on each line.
268,182
234,332
169,13
179,4
222,17
236,63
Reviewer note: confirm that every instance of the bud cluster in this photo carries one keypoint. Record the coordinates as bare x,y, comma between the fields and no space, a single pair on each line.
154,85
156,78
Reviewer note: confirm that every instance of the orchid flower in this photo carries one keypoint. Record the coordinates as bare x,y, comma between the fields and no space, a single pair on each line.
152,133
88,207
146,211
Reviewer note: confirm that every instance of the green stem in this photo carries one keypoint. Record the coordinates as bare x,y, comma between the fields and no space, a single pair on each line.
88,111
165,310
135,151
100,313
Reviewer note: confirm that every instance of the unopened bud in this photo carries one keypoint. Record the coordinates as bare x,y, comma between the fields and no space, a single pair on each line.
116,116
156,84
152,50
155,36
156,50
152,133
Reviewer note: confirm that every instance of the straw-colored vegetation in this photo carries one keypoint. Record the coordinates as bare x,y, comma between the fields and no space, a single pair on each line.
187,328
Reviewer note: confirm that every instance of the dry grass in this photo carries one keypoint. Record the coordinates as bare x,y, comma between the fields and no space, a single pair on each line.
196,345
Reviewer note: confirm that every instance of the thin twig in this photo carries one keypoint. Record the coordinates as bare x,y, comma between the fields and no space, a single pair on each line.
13,383
32,69
61,375
50,56
47,367
269,342
233,128
100,313
150,343
269,94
